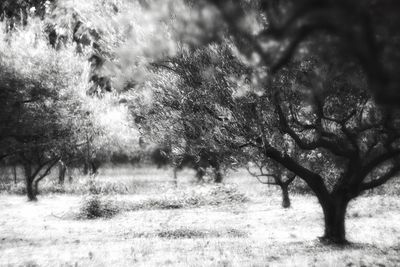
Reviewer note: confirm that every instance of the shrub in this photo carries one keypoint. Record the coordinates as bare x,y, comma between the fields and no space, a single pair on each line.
97,206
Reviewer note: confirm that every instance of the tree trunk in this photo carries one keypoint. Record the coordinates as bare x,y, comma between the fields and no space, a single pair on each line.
69,174
36,187
62,169
86,168
15,173
175,178
218,177
285,196
334,219
94,167
200,174
30,190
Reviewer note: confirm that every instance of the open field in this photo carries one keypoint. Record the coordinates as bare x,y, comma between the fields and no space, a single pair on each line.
254,233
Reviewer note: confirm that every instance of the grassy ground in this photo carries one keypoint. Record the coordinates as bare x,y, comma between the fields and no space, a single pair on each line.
255,233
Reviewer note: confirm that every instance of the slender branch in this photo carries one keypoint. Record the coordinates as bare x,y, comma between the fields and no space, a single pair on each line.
3,156
371,165
290,179
47,171
257,176
377,161
381,180
39,168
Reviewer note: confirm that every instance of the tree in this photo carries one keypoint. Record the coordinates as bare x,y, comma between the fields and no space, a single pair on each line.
180,99
32,133
41,91
270,173
356,139
346,142
327,112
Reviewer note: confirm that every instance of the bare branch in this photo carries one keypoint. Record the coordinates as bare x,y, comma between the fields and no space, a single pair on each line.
290,179
257,176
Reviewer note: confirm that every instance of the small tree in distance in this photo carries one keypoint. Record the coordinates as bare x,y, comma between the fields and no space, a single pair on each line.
272,173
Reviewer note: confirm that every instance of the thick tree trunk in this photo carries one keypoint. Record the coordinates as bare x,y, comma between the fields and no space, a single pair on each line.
285,196
334,219
30,190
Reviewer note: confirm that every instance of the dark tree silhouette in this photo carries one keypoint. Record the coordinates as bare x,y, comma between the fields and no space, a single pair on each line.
345,142
366,32
340,101
357,140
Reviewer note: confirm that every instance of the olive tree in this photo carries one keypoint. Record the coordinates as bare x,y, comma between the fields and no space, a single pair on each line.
326,80
41,102
356,139
345,142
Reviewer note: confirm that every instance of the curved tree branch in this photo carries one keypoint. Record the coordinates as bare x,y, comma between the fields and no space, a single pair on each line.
380,180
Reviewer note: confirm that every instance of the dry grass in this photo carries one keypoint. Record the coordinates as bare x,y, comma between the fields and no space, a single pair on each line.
255,233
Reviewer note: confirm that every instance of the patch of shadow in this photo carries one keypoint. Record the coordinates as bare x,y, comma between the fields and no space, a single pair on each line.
360,215
200,233
316,246
140,235
15,240
30,264
151,204
185,233
232,232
